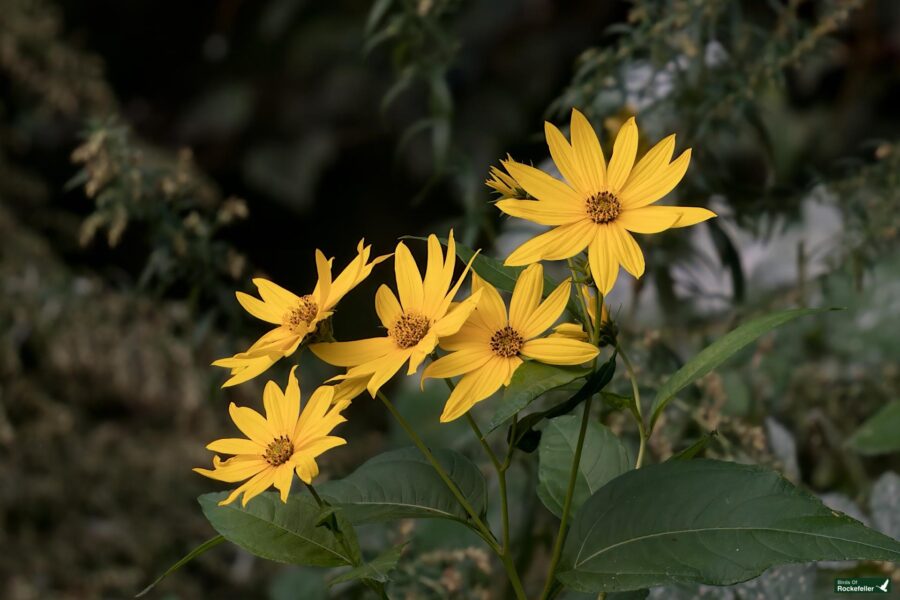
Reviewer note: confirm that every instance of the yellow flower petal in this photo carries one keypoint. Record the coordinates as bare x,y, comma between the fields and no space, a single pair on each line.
542,186
262,475
316,407
457,363
245,368
657,185
542,212
236,446
350,354
384,368
689,215
273,400
315,447
251,423
547,313
409,280
472,333
354,273
284,476
526,296
476,386
603,259
559,243
588,152
454,319
274,294
624,152
387,306
628,251
651,164
290,408
231,471
257,485
259,309
306,467
559,351
648,219
491,310
570,330
565,160
347,390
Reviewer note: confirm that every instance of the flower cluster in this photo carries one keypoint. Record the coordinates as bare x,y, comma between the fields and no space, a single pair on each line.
482,340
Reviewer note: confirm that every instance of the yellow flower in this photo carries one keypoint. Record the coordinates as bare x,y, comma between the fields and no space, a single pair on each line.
504,184
575,330
490,345
415,323
295,316
285,441
599,205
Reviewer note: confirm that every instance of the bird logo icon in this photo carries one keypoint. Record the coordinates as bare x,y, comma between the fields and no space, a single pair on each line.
884,586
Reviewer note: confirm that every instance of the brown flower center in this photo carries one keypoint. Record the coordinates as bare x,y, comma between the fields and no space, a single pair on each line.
409,329
279,451
603,207
506,342
300,317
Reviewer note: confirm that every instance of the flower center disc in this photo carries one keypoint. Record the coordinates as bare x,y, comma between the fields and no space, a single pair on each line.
603,207
409,329
279,451
300,317
506,342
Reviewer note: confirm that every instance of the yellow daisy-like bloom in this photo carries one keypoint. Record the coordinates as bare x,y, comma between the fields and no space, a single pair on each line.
490,346
503,183
599,205
415,322
285,441
295,316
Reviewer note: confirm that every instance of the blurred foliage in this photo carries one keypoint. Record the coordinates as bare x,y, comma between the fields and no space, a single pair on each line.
106,398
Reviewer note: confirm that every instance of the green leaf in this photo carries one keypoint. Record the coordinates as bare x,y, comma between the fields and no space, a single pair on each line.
207,545
400,484
530,381
283,532
880,434
376,570
719,351
705,521
696,448
604,458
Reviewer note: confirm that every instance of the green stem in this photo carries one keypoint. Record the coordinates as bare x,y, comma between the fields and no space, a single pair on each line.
501,479
480,527
638,414
588,324
567,504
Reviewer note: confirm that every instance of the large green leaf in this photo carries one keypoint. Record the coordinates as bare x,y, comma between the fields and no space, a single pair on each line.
880,434
283,532
376,569
719,351
401,484
705,521
531,380
604,458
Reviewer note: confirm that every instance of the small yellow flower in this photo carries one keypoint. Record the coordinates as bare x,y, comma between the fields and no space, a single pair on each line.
599,206
415,322
504,184
285,441
295,316
490,346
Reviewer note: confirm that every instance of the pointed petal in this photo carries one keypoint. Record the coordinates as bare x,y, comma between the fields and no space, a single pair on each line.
323,271
347,390
236,446
565,160
647,219
603,259
245,369
291,407
276,295
624,152
350,354
409,280
491,310
284,476
434,284
314,448
651,164
588,152
386,367
454,319
547,313
469,335
475,387
257,485
387,306
457,363
543,186
543,213
559,351
259,309
655,186
306,467
316,407
251,423
273,400
232,470
559,243
689,215
526,296
629,252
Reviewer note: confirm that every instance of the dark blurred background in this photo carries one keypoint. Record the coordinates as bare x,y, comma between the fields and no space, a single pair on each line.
155,156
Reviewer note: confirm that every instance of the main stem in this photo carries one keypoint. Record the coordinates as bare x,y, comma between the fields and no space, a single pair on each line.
567,505
482,529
